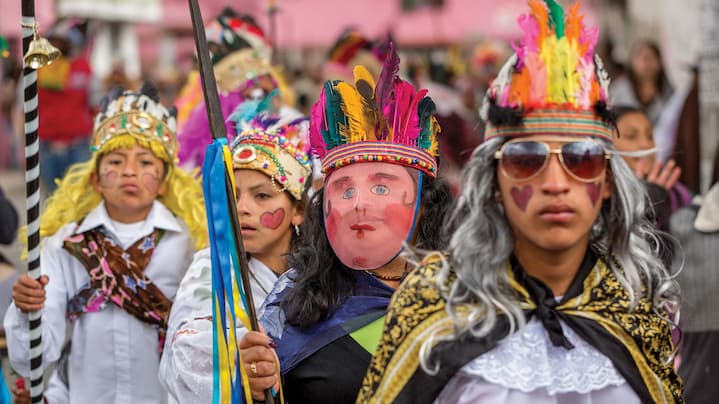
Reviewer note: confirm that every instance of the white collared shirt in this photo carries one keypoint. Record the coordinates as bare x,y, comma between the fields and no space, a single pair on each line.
114,357
186,367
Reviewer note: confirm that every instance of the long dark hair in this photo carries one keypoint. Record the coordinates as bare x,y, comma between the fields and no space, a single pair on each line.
662,83
323,282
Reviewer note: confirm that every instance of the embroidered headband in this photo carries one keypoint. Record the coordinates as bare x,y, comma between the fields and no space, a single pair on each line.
275,144
389,122
554,83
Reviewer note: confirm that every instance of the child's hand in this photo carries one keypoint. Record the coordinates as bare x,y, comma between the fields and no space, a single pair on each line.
260,362
29,294
19,394
664,175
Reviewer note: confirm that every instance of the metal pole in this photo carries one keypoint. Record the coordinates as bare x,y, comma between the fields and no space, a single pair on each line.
272,12
32,187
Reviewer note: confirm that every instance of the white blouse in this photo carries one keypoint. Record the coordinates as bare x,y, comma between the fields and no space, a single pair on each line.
527,368
186,366
114,357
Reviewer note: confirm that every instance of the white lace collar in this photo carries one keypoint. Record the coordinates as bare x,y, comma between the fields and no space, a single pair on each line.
527,360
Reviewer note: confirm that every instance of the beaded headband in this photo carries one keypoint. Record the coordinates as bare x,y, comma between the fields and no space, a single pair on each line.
136,114
388,122
275,144
554,81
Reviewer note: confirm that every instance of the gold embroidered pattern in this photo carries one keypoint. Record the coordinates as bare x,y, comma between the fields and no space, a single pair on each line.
417,308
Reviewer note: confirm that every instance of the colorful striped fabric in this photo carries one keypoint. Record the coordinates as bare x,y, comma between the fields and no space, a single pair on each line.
394,153
555,122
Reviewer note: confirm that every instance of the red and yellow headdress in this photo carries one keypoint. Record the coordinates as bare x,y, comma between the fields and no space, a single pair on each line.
554,81
388,121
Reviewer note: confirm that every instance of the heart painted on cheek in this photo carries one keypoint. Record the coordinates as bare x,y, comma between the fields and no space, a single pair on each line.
521,196
594,190
273,220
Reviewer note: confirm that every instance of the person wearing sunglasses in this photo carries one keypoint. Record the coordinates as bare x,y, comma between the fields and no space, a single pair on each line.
550,291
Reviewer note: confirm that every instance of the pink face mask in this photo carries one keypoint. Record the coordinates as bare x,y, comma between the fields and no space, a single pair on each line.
370,210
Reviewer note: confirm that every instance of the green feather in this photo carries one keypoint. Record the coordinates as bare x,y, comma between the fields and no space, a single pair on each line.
425,110
336,119
557,17
265,104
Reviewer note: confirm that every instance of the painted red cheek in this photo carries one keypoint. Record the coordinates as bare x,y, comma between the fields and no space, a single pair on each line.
108,179
331,225
522,196
151,182
399,216
273,220
594,190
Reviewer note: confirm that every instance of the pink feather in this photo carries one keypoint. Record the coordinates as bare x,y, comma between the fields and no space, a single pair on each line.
589,36
528,44
538,89
318,123
586,77
404,92
411,128
385,84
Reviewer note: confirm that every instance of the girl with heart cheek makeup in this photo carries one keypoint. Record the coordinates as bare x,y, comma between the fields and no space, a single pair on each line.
267,218
551,289
272,170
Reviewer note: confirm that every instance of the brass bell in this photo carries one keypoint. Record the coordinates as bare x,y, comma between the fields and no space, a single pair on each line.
40,53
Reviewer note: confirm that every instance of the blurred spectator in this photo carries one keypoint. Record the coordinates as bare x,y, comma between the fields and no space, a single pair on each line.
685,136
169,81
63,91
636,144
241,63
10,150
455,119
645,84
8,275
350,49
697,229
8,230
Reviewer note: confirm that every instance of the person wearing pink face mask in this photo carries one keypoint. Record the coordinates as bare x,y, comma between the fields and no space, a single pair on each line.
378,147
119,233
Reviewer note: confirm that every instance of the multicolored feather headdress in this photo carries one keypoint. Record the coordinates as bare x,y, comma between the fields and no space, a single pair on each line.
554,83
388,121
274,143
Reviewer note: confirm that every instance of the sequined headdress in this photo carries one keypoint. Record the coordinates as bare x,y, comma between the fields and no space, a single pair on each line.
388,121
240,49
554,83
136,114
274,143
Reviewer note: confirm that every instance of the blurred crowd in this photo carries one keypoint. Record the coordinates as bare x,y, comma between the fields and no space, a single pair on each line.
658,125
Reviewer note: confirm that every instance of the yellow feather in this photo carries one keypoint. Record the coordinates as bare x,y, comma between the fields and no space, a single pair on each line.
352,108
361,73
436,129
372,117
